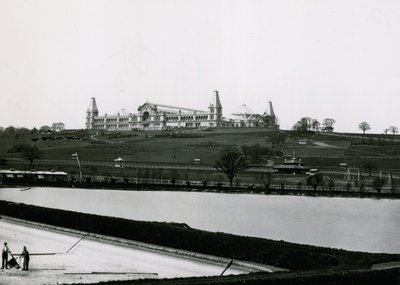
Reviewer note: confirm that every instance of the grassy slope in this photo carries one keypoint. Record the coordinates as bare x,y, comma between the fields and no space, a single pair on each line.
146,146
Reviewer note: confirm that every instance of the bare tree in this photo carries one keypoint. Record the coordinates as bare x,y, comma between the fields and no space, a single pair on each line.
303,125
364,126
378,183
308,122
231,161
315,125
31,152
328,124
394,130
266,179
315,180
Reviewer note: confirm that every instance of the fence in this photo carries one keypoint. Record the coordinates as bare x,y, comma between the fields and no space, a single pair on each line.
216,184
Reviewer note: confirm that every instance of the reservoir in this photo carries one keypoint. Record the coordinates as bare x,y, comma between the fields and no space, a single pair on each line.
357,224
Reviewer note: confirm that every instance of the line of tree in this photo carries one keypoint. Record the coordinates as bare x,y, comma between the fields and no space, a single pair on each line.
364,126
55,127
15,132
308,124
392,129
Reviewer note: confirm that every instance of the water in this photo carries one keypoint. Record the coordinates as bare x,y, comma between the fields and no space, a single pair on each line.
370,225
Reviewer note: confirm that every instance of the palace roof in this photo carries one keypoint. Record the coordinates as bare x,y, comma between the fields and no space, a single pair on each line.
173,109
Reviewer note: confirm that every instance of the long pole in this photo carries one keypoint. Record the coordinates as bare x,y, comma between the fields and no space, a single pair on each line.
85,236
226,268
79,164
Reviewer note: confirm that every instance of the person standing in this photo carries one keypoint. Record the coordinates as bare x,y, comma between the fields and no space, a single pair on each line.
4,256
25,255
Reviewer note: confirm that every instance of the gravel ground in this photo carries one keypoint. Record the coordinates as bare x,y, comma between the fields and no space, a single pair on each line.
92,260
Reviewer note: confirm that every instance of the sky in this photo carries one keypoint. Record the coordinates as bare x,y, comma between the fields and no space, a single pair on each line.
316,58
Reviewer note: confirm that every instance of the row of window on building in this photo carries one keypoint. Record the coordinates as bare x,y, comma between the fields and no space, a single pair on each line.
100,120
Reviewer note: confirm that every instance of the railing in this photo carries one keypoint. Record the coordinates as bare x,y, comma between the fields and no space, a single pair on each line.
226,185
132,164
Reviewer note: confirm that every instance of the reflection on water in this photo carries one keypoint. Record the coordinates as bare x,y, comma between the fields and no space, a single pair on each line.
351,223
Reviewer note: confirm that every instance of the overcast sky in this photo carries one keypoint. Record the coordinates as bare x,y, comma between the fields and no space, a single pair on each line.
323,59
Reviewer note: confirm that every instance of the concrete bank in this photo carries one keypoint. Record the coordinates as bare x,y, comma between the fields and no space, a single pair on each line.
236,264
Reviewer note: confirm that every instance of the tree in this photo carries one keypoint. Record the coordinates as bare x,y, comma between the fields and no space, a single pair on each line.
315,180
364,126
276,138
378,183
315,125
298,127
44,129
266,179
58,127
174,176
305,124
31,152
254,152
9,132
328,124
331,184
231,161
302,125
22,132
205,177
265,120
308,122
369,166
394,130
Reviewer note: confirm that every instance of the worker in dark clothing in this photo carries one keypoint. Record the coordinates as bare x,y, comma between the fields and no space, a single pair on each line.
25,255
4,256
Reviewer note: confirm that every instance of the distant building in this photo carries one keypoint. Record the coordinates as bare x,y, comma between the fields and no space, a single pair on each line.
243,116
152,116
292,166
18,176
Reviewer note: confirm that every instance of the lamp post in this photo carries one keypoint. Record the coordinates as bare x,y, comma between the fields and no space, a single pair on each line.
75,155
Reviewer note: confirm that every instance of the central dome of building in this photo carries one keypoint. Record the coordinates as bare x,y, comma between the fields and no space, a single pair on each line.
243,110
123,112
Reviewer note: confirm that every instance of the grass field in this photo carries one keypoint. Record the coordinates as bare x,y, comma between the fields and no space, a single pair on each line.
316,150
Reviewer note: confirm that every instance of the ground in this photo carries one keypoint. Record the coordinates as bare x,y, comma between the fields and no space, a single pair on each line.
57,256
183,146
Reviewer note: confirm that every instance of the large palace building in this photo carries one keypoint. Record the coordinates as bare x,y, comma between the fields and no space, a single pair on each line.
152,116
